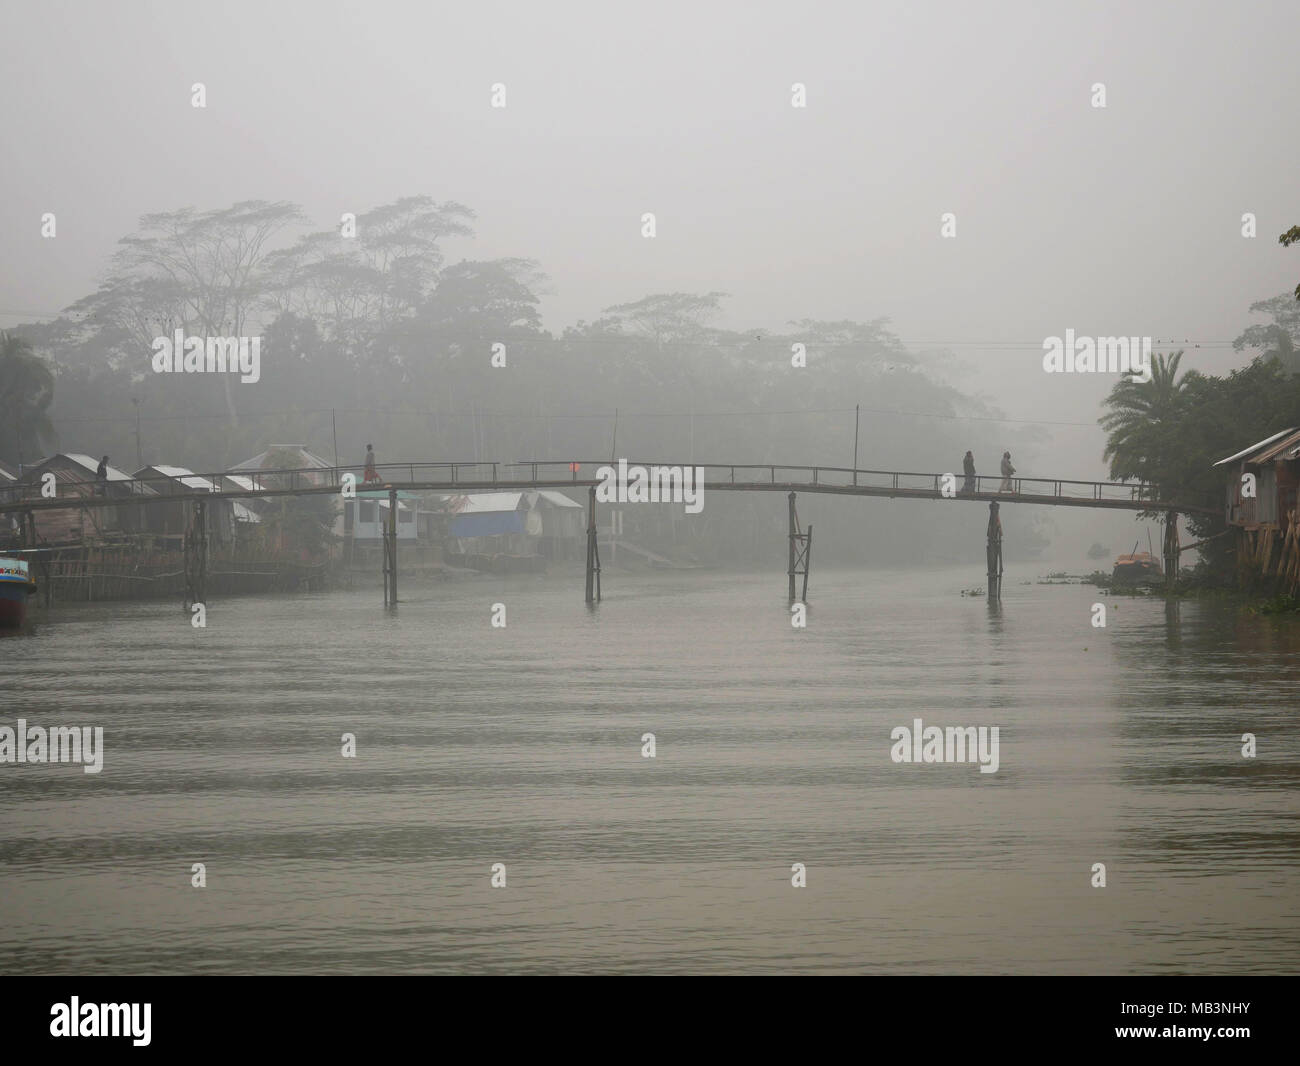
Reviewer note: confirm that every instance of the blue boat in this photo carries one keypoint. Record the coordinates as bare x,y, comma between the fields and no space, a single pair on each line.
16,585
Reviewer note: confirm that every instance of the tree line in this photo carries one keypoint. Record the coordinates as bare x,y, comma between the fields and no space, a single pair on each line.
370,335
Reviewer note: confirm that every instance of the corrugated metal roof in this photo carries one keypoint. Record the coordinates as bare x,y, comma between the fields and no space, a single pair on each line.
192,480
558,498
245,483
1286,448
185,476
91,465
309,459
1269,448
484,502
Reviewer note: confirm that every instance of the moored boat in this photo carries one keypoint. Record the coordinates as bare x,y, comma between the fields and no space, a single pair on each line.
16,585
1139,568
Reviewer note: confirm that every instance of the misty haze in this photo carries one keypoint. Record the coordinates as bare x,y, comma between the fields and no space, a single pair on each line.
649,489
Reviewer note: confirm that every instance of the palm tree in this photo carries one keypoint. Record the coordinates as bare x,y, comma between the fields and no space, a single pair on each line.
1138,422
26,392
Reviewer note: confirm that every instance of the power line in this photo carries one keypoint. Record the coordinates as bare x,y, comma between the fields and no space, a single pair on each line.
781,338
600,416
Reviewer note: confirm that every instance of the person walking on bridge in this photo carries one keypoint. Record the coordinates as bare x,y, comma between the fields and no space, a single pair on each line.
968,467
371,473
1007,471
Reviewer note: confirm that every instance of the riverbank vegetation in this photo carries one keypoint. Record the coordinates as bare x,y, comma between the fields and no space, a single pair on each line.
1170,430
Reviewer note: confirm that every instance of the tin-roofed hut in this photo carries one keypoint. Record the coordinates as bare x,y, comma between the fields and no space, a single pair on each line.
1261,495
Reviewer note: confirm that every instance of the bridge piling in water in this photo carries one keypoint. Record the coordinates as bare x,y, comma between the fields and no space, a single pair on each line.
29,541
790,568
196,556
467,477
993,553
1171,549
800,554
390,552
593,550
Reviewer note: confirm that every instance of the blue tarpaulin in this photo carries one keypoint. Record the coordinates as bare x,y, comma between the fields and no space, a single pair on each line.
488,524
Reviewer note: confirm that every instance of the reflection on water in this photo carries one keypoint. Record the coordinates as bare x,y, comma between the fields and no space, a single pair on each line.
523,746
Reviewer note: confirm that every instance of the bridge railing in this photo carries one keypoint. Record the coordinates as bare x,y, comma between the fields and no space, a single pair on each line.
902,481
292,479
478,474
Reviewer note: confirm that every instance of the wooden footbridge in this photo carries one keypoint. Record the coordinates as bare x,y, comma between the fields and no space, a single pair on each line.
468,477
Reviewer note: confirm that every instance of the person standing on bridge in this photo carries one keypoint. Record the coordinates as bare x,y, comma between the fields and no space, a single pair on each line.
101,476
968,467
371,473
1007,471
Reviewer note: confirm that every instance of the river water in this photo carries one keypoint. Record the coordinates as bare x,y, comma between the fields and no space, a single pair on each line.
522,746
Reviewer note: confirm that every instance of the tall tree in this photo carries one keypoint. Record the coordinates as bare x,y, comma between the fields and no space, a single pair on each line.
361,285
1278,340
26,392
670,316
200,271
1290,237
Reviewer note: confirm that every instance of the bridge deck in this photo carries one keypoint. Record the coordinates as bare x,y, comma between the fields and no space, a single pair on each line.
455,478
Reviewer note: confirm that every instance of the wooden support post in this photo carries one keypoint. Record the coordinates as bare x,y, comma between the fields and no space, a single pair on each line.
593,550
383,555
993,552
807,564
195,556
800,553
1171,549
391,537
202,521
794,533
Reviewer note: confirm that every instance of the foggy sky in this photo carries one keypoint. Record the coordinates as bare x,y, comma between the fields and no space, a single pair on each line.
1117,221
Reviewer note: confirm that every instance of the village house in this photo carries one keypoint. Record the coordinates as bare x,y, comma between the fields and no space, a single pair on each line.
8,478
10,490
74,477
242,483
365,522
225,518
310,469
1261,506
287,457
1268,496
507,530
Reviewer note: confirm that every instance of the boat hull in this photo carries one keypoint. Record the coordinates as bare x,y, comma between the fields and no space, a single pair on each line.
1138,569
13,602
16,585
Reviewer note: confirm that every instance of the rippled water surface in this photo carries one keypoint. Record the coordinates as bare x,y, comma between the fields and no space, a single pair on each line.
523,745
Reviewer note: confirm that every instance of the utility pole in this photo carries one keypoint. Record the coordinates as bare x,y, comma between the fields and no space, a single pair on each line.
139,455
856,408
